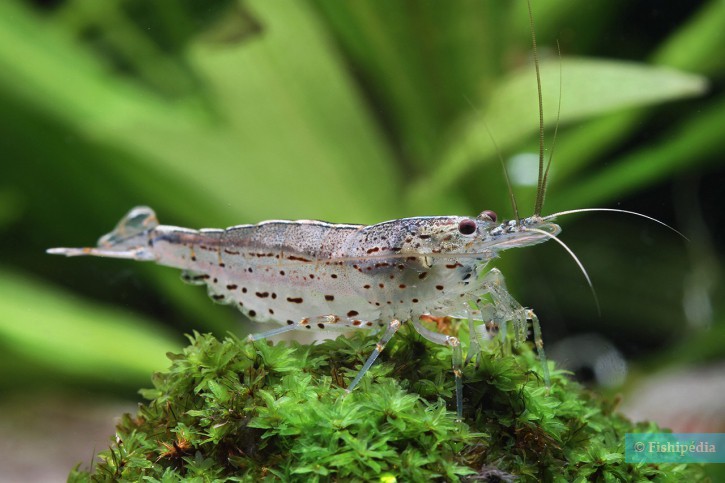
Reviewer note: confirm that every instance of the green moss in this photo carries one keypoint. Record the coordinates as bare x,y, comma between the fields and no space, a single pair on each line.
228,410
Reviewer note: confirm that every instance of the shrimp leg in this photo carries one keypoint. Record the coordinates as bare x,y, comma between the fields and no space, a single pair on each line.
455,345
390,331
507,308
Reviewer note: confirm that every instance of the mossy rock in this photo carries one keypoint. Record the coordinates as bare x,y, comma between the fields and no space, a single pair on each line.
234,411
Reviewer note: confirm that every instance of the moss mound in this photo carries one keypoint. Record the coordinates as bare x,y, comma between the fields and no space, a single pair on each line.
232,411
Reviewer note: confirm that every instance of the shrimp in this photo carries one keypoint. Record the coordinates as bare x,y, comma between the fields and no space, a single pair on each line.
311,275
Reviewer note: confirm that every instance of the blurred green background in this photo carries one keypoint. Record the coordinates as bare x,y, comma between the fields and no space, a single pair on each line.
231,112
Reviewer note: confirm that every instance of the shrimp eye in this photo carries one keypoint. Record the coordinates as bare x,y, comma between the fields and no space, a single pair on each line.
467,227
488,214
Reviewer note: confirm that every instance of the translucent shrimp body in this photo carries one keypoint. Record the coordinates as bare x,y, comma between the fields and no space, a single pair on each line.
311,275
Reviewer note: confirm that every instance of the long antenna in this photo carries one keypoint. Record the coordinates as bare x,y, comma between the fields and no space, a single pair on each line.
541,185
613,210
578,262
556,131
505,175
500,158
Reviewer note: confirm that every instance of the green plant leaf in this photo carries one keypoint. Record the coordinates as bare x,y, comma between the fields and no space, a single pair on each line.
699,138
589,87
270,92
77,337
694,45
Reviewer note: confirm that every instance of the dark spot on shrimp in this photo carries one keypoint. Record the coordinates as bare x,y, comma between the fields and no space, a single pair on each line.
215,280
329,298
241,304
312,276
274,295
230,252
369,324
454,265
439,287
321,325
290,322
366,286
244,289
298,259
373,250
231,286
352,313
271,312
262,295
221,264
334,275
356,322
467,276
193,258
422,275
281,272
402,285
381,285
423,237
252,313
218,297
295,300
415,301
